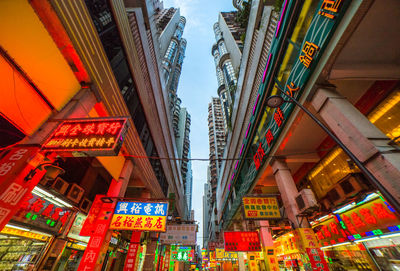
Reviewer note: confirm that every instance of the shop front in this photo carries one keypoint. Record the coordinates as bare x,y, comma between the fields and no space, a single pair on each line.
75,247
27,236
299,250
21,248
356,236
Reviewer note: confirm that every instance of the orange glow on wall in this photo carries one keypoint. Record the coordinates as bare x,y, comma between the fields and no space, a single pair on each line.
24,37
19,102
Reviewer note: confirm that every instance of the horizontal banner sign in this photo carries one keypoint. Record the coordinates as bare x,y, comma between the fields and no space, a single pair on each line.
143,216
184,234
242,241
259,207
91,137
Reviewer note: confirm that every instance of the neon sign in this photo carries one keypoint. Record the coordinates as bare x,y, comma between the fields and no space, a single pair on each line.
144,216
370,219
94,136
242,241
37,211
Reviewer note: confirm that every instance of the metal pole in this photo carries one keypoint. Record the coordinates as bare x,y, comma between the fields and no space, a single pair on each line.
393,202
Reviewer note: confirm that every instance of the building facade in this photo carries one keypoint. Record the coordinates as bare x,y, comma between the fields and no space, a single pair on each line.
340,77
87,60
227,54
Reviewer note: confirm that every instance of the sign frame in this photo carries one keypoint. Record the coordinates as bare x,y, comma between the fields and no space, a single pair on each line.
85,151
275,196
241,242
140,214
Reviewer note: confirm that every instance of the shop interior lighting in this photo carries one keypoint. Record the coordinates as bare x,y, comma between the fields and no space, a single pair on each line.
17,227
381,110
41,233
337,245
353,204
366,239
345,208
27,229
50,197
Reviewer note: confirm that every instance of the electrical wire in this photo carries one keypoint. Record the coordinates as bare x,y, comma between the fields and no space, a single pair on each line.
221,159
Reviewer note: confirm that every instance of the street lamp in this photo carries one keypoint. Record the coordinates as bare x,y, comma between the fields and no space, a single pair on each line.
276,101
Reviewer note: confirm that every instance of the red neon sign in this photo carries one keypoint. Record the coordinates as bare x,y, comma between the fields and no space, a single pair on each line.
94,136
372,218
242,241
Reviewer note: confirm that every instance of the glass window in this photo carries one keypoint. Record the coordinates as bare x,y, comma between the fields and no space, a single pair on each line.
330,170
387,116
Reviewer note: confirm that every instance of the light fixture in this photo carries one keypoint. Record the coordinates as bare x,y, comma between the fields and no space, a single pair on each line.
52,170
50,197
275,101
17,227
337,245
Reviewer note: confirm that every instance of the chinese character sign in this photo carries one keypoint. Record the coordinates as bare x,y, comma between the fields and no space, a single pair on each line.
373,218
242,241
261,208
142,216
182,254
134,245
98,136
184,234
35,210
14,167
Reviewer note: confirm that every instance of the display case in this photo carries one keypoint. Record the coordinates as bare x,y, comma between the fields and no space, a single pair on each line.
19,253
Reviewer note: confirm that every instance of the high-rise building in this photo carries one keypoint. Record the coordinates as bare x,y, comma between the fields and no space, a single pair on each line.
227,55
171,52
94,60
189,184
206,211
183,148
216,136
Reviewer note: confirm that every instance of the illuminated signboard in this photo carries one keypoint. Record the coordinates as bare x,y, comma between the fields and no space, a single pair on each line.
39,212
242,241
182,254
91,137
375,217
184,234
143,216
77,227
222,255
27,234
261,208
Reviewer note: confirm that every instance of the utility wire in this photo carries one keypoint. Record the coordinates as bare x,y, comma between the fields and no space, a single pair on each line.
222,159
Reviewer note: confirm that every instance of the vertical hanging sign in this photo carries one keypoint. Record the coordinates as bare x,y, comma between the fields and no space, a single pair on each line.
88,226
97,247
130,261
14,188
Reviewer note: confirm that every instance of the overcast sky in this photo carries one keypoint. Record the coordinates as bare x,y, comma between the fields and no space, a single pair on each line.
198,83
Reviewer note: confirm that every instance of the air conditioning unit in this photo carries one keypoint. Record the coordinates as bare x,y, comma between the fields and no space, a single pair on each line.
306,201
46,181
352,185
60,185
85,205
75,193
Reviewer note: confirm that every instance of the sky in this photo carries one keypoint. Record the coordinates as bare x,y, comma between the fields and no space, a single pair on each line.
198,83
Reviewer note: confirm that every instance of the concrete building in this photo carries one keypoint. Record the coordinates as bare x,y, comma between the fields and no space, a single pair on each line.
227,54
206,213
87,59
342,75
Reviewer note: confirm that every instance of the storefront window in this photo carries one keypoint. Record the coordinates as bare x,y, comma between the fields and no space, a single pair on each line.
330,170
20,250
387,116
350,257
